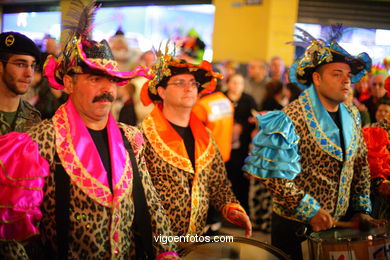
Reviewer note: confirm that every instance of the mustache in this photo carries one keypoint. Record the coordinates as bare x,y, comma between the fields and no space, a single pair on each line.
105,96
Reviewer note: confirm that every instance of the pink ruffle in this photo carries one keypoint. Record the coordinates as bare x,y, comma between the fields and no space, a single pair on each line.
22,175
167,256
49,72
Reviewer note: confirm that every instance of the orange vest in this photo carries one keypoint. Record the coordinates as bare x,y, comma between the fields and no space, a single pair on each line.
216,112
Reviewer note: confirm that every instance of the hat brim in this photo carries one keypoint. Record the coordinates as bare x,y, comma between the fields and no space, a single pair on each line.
107,68
203,74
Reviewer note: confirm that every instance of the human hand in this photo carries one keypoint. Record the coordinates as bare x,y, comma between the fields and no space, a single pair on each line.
322,221
362,217
384,188
240,219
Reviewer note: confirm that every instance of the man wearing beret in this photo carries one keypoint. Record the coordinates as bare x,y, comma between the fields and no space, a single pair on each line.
19,56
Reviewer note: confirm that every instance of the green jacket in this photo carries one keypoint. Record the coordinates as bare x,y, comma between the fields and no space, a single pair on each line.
26,117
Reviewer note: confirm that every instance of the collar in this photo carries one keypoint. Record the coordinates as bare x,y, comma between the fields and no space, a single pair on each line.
170,146
323,128
81,160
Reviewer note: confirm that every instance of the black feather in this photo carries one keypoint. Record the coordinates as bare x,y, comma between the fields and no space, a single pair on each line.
335,33
303,40
79,18
307,37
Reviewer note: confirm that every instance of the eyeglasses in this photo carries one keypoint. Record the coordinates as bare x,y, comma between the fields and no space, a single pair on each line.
23,65
182,84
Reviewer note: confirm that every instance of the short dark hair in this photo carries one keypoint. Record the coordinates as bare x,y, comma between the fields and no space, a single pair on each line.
4,56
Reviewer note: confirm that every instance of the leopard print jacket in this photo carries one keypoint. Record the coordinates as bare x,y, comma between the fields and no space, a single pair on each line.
186,195
334,183
89,233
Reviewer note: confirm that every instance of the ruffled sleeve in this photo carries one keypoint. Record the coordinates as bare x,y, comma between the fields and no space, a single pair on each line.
22,175
377,140
275,148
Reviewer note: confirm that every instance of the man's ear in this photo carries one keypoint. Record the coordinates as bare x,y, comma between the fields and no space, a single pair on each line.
161,92
68,84
316,78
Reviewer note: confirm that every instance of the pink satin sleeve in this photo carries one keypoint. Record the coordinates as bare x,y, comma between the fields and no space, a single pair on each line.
22,172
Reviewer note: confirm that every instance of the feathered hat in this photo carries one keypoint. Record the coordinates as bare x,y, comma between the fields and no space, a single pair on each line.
319,52
82,55
168,66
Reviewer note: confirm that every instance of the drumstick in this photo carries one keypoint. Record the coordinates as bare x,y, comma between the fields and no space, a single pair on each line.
362,225
344,224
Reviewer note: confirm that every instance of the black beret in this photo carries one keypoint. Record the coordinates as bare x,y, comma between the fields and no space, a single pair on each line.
17,43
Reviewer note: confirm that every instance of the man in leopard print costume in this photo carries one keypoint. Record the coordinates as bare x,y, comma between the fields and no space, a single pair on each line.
311,155
181,155
77,186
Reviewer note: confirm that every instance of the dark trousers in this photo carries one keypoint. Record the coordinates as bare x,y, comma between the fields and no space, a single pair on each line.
284,237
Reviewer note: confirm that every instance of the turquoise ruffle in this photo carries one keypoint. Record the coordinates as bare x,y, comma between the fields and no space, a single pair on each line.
275,151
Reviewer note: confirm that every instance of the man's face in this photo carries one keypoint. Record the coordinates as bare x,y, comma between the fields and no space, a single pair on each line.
377,86
382,111
256,69
17,74
362,85
91,94
180,91
333,82
276,67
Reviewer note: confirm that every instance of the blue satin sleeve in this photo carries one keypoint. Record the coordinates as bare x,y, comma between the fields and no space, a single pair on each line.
275,148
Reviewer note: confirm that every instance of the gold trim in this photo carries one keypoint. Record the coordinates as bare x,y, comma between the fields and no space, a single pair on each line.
17,179
76,163
311,129
23,187
150,131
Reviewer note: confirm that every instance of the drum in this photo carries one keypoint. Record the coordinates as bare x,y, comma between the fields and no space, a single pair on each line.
240,248
350,244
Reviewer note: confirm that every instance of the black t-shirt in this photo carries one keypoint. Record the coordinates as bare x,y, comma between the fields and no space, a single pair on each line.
336,118
189,141
100,138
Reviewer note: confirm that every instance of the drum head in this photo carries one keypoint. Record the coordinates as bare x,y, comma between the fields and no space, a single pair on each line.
241,248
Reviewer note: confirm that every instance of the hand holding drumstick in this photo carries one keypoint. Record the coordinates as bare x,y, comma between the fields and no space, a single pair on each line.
323,221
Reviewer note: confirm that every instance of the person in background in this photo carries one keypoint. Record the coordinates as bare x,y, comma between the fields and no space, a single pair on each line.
192,47
256,80
19,57
383,110
127,113
277,69
353,104
217,113
50,46
362,90
378,142
181,154
311,155
378,93
147,59
121,50
227,68
244,106
278,96
76,186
